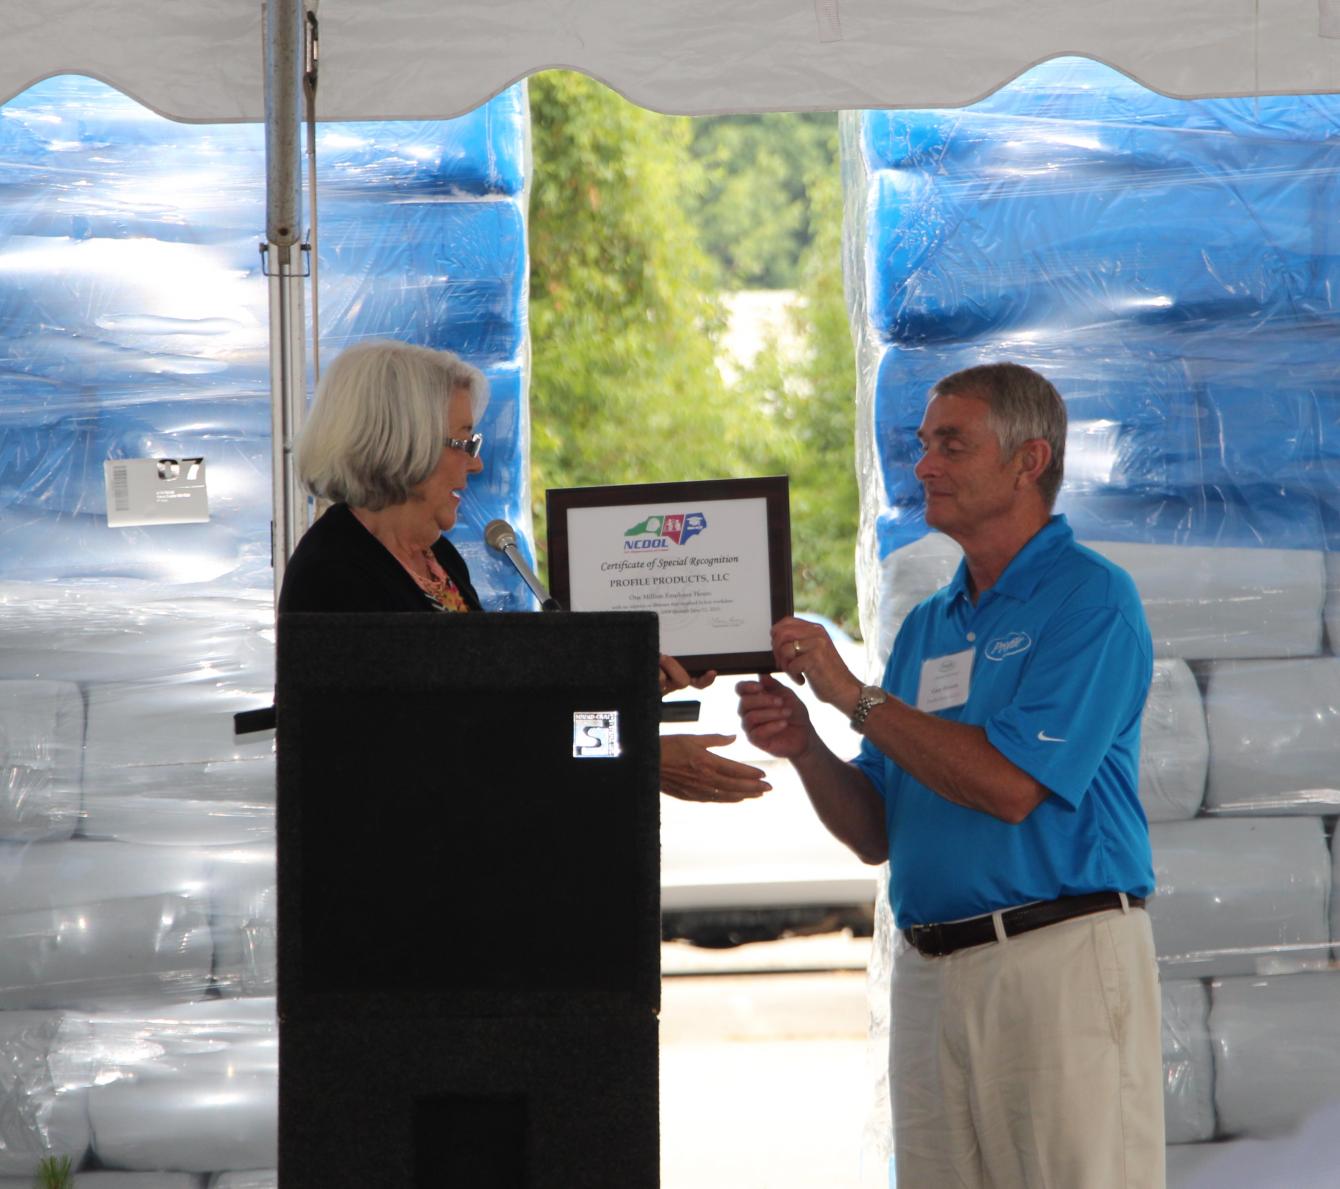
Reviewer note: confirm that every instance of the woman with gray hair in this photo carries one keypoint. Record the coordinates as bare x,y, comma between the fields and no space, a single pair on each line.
391,443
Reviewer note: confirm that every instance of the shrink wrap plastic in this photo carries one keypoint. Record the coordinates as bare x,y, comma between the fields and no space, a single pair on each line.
1240,897
1333,595
1174,747
1204,601
191,1089
45,1073
129,632
161,762
88,924
136,315
1275,1045
1304,1159
121,1180
137,859
1188,1065
1063,223
180,1089
1335,897
1274,730
1201,601
1174,268
244,919
41,738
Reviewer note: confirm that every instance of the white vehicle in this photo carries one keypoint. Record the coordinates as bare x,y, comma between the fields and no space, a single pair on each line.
766,867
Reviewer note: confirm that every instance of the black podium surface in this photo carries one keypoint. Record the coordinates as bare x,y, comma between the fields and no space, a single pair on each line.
469,961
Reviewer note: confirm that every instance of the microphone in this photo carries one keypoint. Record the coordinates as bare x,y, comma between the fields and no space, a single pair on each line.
498,535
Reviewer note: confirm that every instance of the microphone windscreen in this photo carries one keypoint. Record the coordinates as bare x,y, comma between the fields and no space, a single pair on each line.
498,534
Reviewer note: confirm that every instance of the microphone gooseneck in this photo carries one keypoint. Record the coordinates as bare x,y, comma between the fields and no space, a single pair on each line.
498,534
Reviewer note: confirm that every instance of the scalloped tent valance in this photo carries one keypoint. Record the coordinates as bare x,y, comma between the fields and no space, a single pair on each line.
201,59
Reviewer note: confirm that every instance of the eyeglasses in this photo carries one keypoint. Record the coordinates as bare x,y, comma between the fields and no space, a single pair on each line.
471,445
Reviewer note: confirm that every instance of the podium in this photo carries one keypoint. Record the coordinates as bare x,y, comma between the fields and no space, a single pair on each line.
469,897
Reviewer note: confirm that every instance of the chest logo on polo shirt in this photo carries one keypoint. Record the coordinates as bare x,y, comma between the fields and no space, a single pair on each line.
1010,644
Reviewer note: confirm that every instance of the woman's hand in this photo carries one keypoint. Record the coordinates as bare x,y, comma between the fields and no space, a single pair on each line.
691,772
674,676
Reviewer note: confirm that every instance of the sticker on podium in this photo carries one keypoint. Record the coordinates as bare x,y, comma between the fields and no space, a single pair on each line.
595,735
155,491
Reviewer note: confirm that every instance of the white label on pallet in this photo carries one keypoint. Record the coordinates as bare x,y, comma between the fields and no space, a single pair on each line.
155,491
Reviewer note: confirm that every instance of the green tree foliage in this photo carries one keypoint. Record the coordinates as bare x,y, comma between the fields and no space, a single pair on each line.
754,212
812,403
626,324
624,317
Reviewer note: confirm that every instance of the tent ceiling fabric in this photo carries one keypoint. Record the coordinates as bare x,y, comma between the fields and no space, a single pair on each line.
383,59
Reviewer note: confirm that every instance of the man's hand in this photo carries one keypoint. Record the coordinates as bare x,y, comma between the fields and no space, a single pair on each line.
691,772
674,676
775,720
806,653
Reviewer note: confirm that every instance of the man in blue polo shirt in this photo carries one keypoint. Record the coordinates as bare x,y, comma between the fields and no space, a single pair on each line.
998,776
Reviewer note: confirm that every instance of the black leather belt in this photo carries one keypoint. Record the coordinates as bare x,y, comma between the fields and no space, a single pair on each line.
935,941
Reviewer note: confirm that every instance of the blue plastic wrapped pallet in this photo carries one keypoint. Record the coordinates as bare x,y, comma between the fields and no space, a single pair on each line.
1174,268
136,312
137,877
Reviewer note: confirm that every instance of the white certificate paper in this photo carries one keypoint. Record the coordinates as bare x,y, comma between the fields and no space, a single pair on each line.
701,565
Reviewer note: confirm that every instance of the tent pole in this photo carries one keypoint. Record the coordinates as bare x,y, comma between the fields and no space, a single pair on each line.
283,252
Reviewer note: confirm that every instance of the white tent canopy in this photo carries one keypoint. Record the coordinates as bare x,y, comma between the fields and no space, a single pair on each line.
201,59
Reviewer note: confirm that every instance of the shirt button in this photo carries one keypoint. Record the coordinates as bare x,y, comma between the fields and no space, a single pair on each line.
971,637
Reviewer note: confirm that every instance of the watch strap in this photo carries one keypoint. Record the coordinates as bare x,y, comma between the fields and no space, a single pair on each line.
871,696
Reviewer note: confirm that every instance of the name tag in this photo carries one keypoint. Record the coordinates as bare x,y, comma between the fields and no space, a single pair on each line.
945,681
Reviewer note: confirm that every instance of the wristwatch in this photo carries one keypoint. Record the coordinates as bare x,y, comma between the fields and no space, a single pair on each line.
871,696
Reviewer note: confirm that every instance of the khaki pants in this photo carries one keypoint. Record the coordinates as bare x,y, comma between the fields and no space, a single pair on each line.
1035,1062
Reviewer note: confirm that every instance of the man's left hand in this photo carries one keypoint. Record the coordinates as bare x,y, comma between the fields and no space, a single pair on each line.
806,653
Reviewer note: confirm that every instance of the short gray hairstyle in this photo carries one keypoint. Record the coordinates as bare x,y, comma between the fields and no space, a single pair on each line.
1021,405
376,428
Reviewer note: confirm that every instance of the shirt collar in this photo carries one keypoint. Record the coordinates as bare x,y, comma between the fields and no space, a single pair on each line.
958,586
1025,571
1027,567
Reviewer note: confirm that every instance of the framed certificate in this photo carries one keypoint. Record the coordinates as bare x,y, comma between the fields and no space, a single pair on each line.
711,558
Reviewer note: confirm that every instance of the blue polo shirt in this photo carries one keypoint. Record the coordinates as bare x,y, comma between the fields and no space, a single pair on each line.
1061,665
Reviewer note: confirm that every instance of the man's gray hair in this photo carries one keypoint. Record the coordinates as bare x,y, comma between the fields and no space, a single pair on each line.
376,428
1021,405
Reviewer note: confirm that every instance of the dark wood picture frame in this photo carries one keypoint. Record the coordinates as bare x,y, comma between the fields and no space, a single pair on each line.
774,490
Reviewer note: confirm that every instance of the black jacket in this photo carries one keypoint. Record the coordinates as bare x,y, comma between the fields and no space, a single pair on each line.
339,566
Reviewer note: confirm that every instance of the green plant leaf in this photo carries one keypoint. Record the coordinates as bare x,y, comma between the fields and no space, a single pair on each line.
55,1172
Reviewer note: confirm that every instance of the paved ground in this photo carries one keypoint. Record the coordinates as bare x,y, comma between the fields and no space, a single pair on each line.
766,1081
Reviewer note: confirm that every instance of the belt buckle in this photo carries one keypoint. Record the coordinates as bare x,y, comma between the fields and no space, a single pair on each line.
927,941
